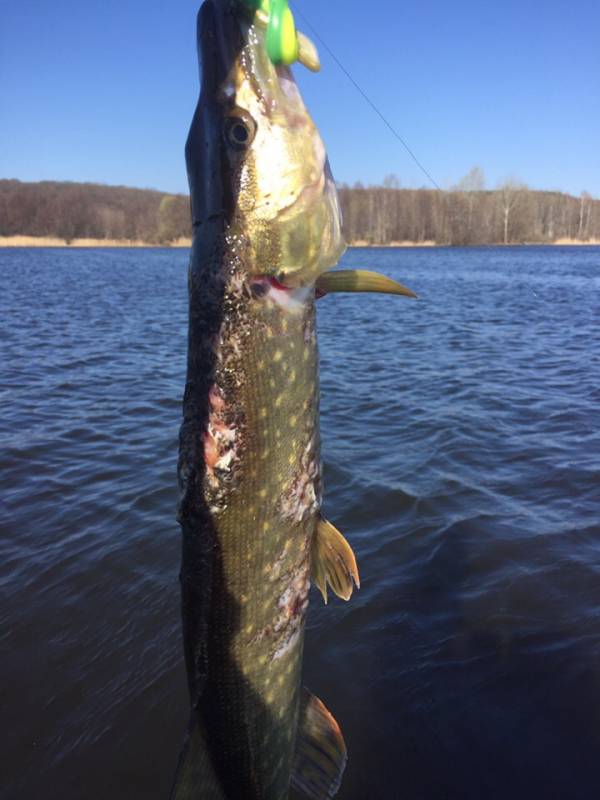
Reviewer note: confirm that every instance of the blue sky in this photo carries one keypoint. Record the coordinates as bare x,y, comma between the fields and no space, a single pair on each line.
104,90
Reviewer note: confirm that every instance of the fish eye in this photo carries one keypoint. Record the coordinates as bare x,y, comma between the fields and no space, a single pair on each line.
238,132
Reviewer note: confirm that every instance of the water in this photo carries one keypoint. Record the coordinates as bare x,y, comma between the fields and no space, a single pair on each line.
462,453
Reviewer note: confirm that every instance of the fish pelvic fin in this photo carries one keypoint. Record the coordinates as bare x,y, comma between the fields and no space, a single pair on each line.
359,280
195,776
333,562
321,755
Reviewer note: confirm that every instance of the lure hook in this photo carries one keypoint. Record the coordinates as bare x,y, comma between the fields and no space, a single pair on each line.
282,36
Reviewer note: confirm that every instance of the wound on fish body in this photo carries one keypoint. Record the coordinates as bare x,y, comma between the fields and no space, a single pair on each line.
267,232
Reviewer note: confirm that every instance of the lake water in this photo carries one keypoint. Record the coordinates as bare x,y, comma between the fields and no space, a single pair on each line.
461,440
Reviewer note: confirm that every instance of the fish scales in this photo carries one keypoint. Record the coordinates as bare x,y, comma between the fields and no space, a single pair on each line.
262,489
266,230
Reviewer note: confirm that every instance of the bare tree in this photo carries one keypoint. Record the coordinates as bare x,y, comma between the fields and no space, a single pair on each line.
509,193
473,181
584,203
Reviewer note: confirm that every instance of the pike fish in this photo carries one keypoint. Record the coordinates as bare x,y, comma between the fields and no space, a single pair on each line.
267,230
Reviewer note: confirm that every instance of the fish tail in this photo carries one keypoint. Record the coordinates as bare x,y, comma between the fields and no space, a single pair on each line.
195,776
321,755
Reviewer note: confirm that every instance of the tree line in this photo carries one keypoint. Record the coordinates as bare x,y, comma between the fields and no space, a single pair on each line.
86,210
467,214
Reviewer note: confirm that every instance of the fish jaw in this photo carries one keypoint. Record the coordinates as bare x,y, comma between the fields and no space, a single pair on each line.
276,191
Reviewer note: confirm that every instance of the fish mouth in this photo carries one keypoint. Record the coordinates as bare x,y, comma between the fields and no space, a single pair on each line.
219,44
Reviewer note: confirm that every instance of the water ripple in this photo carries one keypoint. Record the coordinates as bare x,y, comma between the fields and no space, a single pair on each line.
461,438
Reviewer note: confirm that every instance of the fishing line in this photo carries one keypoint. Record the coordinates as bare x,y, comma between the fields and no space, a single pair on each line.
365,96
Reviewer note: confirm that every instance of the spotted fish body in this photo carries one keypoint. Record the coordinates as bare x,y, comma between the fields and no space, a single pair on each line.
262,488
266,226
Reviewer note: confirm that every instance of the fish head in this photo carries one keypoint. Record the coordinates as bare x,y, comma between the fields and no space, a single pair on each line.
255,155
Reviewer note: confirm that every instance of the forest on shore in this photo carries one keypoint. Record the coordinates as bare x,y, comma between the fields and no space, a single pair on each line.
467,214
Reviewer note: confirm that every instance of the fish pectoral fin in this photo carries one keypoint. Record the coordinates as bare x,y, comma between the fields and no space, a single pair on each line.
333,562
320,757
196,775
359,280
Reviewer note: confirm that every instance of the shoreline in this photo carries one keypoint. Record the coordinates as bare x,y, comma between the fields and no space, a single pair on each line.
561,242
55,242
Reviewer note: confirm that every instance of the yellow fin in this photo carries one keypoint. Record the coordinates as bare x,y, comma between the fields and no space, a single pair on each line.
321,756
333,562
359,280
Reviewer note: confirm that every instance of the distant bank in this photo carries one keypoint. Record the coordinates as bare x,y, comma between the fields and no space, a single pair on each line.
184,243
51,214
53,241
